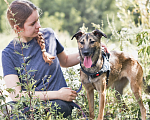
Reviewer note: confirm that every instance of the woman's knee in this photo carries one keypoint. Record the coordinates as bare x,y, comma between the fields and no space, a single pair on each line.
64,107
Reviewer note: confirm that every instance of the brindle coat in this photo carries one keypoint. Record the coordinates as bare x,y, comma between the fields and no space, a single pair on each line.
124,69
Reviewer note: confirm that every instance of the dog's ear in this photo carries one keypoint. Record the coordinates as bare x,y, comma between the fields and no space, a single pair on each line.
98,33
77,35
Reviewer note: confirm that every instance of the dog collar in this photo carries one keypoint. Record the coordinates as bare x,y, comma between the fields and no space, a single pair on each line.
105,69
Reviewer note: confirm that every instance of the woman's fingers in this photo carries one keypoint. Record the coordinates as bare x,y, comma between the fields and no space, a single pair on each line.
68,94
74,93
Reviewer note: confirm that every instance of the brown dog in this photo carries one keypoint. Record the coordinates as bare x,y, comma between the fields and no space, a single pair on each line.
94,73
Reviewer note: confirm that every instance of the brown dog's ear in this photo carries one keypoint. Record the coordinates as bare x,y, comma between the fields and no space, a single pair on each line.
77,35
99,33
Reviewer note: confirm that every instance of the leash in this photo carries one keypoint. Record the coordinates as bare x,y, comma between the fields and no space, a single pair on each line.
76,105
79,88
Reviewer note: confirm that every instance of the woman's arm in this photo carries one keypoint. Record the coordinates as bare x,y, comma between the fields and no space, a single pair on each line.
68,60
72,59
65,93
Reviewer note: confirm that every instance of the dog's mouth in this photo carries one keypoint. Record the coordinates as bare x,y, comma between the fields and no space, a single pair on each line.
87,56
87,61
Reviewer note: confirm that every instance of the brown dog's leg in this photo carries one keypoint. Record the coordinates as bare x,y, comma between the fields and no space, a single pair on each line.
101,87
137,94
119,85
90,96
136,82
137,91
101,105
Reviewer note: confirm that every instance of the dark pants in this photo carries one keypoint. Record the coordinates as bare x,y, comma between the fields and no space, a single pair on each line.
65,107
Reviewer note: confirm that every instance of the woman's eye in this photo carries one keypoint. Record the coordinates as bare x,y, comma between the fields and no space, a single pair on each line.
32,24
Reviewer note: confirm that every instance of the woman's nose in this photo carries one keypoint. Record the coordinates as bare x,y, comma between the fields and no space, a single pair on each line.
38,25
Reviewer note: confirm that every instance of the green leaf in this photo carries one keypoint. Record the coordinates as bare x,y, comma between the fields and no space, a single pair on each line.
2,98
140,42
148,50
10,90
17,96
18,53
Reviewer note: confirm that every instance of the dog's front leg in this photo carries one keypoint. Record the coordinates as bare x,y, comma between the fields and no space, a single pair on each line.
101,105
101,87
90,96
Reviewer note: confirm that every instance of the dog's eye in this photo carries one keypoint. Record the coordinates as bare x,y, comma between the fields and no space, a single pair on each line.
82,42
92,42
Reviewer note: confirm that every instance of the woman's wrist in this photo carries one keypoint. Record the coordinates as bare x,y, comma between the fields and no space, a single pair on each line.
53,95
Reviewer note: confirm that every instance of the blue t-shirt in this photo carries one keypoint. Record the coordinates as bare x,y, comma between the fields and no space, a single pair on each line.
47,77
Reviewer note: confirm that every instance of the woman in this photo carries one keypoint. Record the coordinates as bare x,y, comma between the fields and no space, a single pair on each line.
44,54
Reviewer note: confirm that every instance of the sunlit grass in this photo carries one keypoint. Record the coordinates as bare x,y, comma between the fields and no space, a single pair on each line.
5,39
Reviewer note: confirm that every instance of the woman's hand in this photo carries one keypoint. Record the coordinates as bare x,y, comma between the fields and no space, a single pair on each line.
67,94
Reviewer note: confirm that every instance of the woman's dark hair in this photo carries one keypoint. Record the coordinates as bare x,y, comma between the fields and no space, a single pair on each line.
25,9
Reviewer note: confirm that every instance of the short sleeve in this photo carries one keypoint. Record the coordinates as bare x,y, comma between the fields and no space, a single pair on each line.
7,64
59,47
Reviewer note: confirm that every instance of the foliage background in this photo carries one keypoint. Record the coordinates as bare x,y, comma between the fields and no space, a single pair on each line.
125,22
67,16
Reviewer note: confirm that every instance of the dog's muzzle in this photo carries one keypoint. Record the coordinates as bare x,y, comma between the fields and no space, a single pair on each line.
88,52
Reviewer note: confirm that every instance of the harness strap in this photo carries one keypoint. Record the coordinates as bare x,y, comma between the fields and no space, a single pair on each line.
107,77
105,68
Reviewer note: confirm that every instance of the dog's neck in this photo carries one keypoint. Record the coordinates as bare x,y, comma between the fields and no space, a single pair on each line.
96,64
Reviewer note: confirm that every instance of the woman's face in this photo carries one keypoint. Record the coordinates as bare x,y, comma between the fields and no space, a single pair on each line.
31,27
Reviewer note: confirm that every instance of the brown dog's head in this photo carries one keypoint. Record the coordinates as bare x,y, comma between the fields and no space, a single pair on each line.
89,45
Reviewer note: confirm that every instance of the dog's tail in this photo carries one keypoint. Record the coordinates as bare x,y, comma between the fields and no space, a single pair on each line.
146,87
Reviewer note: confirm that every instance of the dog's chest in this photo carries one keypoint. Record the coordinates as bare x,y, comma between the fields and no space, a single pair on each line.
85,79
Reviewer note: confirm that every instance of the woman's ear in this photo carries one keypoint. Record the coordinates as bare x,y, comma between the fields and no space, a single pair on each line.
17,29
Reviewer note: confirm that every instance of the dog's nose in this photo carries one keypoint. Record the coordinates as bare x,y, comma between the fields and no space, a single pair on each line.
86,53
